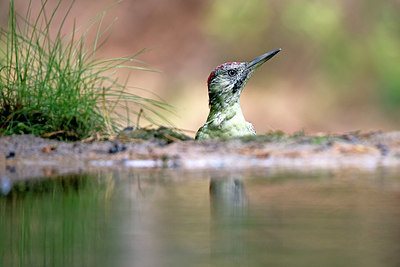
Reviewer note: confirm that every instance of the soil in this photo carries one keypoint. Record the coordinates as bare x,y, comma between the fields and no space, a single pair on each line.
27,156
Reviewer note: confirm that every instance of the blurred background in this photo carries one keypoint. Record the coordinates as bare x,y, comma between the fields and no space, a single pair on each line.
339,68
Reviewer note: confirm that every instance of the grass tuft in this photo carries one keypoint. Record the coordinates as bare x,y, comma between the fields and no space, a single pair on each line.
56,87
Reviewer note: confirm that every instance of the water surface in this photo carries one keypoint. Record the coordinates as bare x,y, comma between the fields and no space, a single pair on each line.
178,218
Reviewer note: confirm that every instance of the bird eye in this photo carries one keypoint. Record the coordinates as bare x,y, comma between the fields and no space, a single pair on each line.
232,73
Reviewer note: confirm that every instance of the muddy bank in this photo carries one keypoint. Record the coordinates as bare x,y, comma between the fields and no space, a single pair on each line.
29,156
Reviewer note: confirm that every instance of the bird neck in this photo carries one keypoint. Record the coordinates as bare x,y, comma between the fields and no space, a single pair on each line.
225,112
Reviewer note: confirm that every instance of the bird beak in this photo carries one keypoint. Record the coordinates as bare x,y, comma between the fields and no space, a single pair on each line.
255,63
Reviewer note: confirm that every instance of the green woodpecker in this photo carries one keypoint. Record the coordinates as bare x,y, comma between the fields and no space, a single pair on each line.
225,84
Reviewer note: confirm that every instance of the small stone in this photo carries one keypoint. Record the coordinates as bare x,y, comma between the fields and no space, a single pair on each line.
350,137
383,148
129,128
11,154
117,147
48,149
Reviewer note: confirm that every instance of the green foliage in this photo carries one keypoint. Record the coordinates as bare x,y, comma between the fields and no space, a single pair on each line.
385,53
320,21
236,19
56,86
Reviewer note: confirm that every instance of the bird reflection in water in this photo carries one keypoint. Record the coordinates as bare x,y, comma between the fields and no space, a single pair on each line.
229,216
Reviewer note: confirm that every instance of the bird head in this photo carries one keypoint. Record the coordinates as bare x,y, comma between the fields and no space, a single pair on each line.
226,82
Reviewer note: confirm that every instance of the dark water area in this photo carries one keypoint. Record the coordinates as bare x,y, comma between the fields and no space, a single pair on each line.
179,218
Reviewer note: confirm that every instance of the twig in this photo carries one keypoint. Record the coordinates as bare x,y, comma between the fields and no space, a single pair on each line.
138,118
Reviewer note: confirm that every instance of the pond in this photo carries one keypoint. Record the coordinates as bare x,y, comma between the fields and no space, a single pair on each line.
203,218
